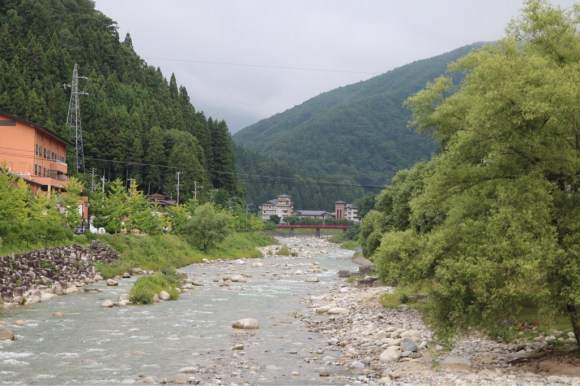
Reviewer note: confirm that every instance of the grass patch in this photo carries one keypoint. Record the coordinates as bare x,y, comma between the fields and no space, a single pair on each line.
351,279
6,249
283,251
344,242
157,252
404,295
146,287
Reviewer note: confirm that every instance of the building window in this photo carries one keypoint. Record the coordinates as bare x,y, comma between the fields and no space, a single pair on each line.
49,156
36,149
7,123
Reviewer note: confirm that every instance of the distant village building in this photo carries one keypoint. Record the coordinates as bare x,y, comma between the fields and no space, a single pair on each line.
321,214
36,155
347,211
282,207
161,201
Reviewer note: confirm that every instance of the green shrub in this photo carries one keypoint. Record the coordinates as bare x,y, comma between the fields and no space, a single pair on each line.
283,251
142,296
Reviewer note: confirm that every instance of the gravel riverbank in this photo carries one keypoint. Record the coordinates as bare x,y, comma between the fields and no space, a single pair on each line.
314,329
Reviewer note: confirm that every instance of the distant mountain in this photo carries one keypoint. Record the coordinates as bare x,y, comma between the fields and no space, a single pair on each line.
358,130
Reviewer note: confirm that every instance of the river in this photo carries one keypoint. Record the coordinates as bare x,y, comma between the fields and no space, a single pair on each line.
124,345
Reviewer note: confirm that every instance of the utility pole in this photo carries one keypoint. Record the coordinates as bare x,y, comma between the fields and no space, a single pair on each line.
230,203
211,192
178,173
73,119
195,190
103,181
130,183
93,175
247,207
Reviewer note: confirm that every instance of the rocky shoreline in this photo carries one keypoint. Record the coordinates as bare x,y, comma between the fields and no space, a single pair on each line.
356,340
42,274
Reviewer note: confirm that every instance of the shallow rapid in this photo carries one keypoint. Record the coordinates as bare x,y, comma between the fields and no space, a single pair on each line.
97,345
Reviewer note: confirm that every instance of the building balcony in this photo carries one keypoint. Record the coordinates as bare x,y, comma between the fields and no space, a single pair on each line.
58,166
56,179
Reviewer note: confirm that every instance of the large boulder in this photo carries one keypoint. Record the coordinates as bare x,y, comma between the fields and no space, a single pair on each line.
21,323
408,345
324,309
391,354
414,335
112,283
246,324
107,304
6,335
58,290
164,295
125,297
238,279
312,280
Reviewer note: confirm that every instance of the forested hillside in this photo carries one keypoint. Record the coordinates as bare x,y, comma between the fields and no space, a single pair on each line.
359,130
132,113
308,192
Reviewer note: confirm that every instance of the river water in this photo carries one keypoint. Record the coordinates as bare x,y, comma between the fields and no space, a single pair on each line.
123,345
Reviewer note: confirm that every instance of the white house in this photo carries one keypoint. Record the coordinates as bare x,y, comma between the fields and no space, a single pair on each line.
282,206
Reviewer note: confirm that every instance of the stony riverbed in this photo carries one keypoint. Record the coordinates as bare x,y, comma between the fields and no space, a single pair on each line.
314,329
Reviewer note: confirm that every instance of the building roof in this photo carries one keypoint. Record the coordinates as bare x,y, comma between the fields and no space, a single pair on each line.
312,212
26,179
275,202
340,202
284,195
353,206
35,125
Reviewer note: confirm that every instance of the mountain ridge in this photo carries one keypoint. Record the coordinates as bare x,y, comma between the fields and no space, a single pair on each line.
358,129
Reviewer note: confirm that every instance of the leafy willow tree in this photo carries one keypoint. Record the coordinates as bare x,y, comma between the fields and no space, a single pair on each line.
207,227
507,180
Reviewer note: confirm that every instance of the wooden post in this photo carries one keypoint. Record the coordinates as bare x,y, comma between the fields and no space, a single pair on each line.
317,233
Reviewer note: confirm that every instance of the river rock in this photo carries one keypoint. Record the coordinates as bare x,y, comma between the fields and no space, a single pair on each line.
408,345
324,309
21,323
456,360
18,299
238,279
197,283
311,280
58,314
124,297
189,370
391,354
97,278
156,298
46,297
338,311
414,335
126,275
107,304
246,324
357,365
164,295
33,300
58,290
72,289
4,323
238,347
6,335
149,380
112,283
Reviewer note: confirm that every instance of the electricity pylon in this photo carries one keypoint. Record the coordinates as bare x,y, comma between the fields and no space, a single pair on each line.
73,119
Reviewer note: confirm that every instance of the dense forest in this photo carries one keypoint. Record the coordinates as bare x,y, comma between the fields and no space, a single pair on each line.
359,130
133,114
309,192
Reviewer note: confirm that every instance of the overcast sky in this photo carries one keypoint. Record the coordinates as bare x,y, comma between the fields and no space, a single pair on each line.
357,36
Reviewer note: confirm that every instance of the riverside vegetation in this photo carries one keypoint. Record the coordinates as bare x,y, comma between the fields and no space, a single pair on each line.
490,225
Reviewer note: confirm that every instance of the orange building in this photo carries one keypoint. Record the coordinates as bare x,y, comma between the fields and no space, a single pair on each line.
33,152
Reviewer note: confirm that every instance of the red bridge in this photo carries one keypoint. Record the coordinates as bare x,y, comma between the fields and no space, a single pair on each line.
291,228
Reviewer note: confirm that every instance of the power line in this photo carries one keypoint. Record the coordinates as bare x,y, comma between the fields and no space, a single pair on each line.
226,63
311,181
